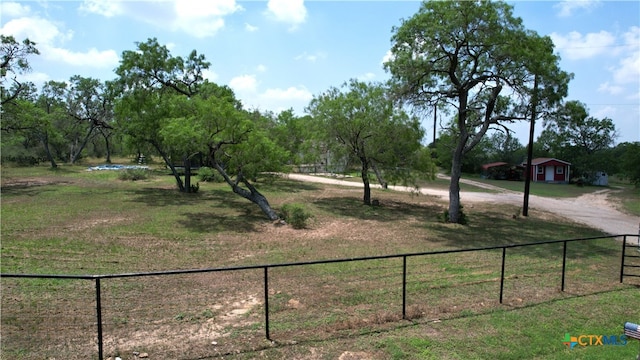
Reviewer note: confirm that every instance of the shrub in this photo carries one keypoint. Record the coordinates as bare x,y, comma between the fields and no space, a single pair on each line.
462,219
207,174
133,174
296,215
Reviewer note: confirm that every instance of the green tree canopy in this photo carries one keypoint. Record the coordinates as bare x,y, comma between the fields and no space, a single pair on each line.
166,102
572,135
476,58
13,62
360,122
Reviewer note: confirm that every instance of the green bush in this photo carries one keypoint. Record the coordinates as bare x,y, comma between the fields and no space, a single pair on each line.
133,174
462,220
296,215
207,174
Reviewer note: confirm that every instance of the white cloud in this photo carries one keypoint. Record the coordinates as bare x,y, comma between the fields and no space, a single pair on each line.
367,76
604,112
14,9
106,8
567,8
37,78
575,46
209,75
387,57
311,57
288,11
48,37
91,58
203,18
244,84
261,68
289,94
610,89
628,69
250,28
41,31
196,18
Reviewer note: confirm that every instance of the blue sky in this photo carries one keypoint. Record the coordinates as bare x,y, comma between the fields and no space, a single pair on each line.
278,54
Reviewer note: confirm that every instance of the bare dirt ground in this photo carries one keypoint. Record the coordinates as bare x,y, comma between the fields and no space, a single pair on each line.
594,209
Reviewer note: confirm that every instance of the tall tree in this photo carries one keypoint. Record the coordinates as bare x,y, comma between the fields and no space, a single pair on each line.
148,79
166,103
235,145
359,122
90,110
630,161
570,133
13,62
477,58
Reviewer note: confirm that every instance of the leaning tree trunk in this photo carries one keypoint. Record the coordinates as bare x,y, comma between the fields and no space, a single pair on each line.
170,165
379,175
45,143
251,193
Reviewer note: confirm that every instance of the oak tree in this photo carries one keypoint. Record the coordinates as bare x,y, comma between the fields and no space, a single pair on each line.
475,58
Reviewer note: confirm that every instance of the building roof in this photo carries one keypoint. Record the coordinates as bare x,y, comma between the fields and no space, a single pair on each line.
494,164
539,161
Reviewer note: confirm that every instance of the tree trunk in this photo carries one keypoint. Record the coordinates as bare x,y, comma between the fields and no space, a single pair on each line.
187,174
170,165
365,181
252,194
454,185
45,143
107,145
379,175
75,154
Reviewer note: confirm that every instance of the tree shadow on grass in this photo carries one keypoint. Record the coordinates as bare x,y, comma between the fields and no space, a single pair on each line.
493,228
387,211
280,184
215,210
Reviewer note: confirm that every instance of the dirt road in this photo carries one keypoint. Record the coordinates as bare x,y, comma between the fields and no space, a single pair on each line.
594,209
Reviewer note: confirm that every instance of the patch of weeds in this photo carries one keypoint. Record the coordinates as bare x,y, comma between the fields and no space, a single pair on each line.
207,314
462,217
133,174
296,215
207,174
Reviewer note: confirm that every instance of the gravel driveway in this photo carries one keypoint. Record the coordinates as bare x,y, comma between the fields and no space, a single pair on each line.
593,209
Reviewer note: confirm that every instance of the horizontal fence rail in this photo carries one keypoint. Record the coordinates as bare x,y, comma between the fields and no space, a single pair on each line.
629,267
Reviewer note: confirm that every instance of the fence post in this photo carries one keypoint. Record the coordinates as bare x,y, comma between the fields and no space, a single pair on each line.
564,263
624,245
504,253
266,303
404,287
99,319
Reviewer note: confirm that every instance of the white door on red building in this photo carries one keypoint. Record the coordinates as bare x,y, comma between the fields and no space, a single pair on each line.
549,172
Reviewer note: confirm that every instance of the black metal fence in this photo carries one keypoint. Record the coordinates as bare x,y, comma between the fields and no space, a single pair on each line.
629,267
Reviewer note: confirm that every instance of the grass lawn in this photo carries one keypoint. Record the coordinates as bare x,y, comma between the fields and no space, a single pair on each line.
71,221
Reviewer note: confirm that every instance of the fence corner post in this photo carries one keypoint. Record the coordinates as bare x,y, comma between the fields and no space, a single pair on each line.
564,264
99,320
624,245
504,253
266,302
404,287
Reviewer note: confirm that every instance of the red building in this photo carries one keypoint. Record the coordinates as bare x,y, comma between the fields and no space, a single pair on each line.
549,170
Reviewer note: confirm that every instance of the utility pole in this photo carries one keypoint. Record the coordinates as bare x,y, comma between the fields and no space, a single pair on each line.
527,180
